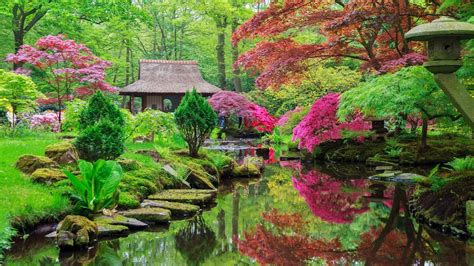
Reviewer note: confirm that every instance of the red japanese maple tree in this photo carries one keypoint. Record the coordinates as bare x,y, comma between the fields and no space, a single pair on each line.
368,30
69,69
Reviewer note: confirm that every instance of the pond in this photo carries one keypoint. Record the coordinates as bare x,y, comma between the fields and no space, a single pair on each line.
294,214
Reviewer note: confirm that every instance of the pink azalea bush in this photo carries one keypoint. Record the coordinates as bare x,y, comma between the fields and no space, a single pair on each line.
46,120
321,124
227,103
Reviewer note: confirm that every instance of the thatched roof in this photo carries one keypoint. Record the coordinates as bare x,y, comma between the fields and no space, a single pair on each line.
168,76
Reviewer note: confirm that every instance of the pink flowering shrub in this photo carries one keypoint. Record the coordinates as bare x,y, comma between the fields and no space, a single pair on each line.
227,103
329,198
70,69
46,120
321,124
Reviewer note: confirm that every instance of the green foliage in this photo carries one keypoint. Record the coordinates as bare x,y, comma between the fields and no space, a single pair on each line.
102,130
100,108
318,81
195,119
435,180
393,148
17,92
411,91
151,122
103,140
72,114
97,188
462,164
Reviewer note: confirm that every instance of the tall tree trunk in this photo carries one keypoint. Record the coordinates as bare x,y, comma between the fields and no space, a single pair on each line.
424,134
127,61
220,49
235,56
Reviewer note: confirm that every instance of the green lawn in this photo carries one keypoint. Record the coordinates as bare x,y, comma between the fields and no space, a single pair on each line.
21,201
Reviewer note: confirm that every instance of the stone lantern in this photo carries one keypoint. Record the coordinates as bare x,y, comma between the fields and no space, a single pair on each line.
444,37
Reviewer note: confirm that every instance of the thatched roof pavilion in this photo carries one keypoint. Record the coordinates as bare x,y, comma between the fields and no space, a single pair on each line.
162,83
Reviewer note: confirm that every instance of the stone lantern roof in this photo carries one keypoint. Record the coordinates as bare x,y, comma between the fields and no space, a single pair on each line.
444,27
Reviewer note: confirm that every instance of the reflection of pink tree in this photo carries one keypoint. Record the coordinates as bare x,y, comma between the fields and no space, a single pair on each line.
330,199
277,248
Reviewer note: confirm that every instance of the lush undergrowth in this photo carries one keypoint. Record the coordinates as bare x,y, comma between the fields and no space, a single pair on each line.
22,202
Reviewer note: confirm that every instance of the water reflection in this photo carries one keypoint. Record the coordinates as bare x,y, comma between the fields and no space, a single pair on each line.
292,216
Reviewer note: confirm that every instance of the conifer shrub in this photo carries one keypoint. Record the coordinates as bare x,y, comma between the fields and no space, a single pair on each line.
195,119
101,127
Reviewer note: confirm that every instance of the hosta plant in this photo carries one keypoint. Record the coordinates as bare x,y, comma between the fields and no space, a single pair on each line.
97,187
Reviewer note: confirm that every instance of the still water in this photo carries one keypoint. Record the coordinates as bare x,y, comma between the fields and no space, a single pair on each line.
293,215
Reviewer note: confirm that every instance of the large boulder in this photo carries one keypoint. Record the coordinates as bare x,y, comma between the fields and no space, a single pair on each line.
76,232
251,167
62,152
29,163
200,179
47,176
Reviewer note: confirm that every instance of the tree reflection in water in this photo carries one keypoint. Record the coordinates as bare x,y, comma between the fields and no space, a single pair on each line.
196,241
290,239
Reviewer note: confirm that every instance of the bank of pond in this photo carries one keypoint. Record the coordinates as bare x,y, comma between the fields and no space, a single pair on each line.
247,202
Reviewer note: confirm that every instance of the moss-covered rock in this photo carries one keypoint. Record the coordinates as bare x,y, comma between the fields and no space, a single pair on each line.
177,209
251,167
29,163
62,152
138,186
120,220
47,176
76,232
149,215
129,164
110,230
128,201
200,179
195,198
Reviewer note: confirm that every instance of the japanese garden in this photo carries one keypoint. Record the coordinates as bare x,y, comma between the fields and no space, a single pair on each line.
236,132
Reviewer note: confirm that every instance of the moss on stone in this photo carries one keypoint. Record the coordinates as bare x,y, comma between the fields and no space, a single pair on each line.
29,163
137,186
82,231
154,215
128,201
129,164
47,176
177,209
191,198
62,152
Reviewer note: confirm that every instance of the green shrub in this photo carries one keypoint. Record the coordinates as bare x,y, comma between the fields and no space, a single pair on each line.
97,188
436,181
102,130
195,119
462,164
103,140
100,108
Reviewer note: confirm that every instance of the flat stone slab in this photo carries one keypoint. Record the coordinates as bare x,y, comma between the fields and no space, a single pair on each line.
177,209
396,177
120,220
109,230
212,192
149,215
200,199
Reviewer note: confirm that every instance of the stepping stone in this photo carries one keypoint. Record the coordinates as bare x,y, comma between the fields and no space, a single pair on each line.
109,230
212,192
177,209
151,215
383,168
120,220
198,198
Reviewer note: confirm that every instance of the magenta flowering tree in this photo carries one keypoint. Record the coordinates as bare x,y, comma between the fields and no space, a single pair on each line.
321,124
227,103
329,198
69,69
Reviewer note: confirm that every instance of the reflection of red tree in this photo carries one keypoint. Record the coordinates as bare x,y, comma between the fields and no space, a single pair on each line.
331,199
273,247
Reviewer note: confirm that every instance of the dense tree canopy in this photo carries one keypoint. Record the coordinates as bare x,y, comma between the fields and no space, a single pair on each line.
369,31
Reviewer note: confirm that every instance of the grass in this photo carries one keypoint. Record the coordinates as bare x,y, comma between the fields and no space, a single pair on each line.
22,202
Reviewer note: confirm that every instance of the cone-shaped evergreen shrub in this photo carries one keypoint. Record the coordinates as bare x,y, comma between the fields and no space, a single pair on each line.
101,130
195,119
